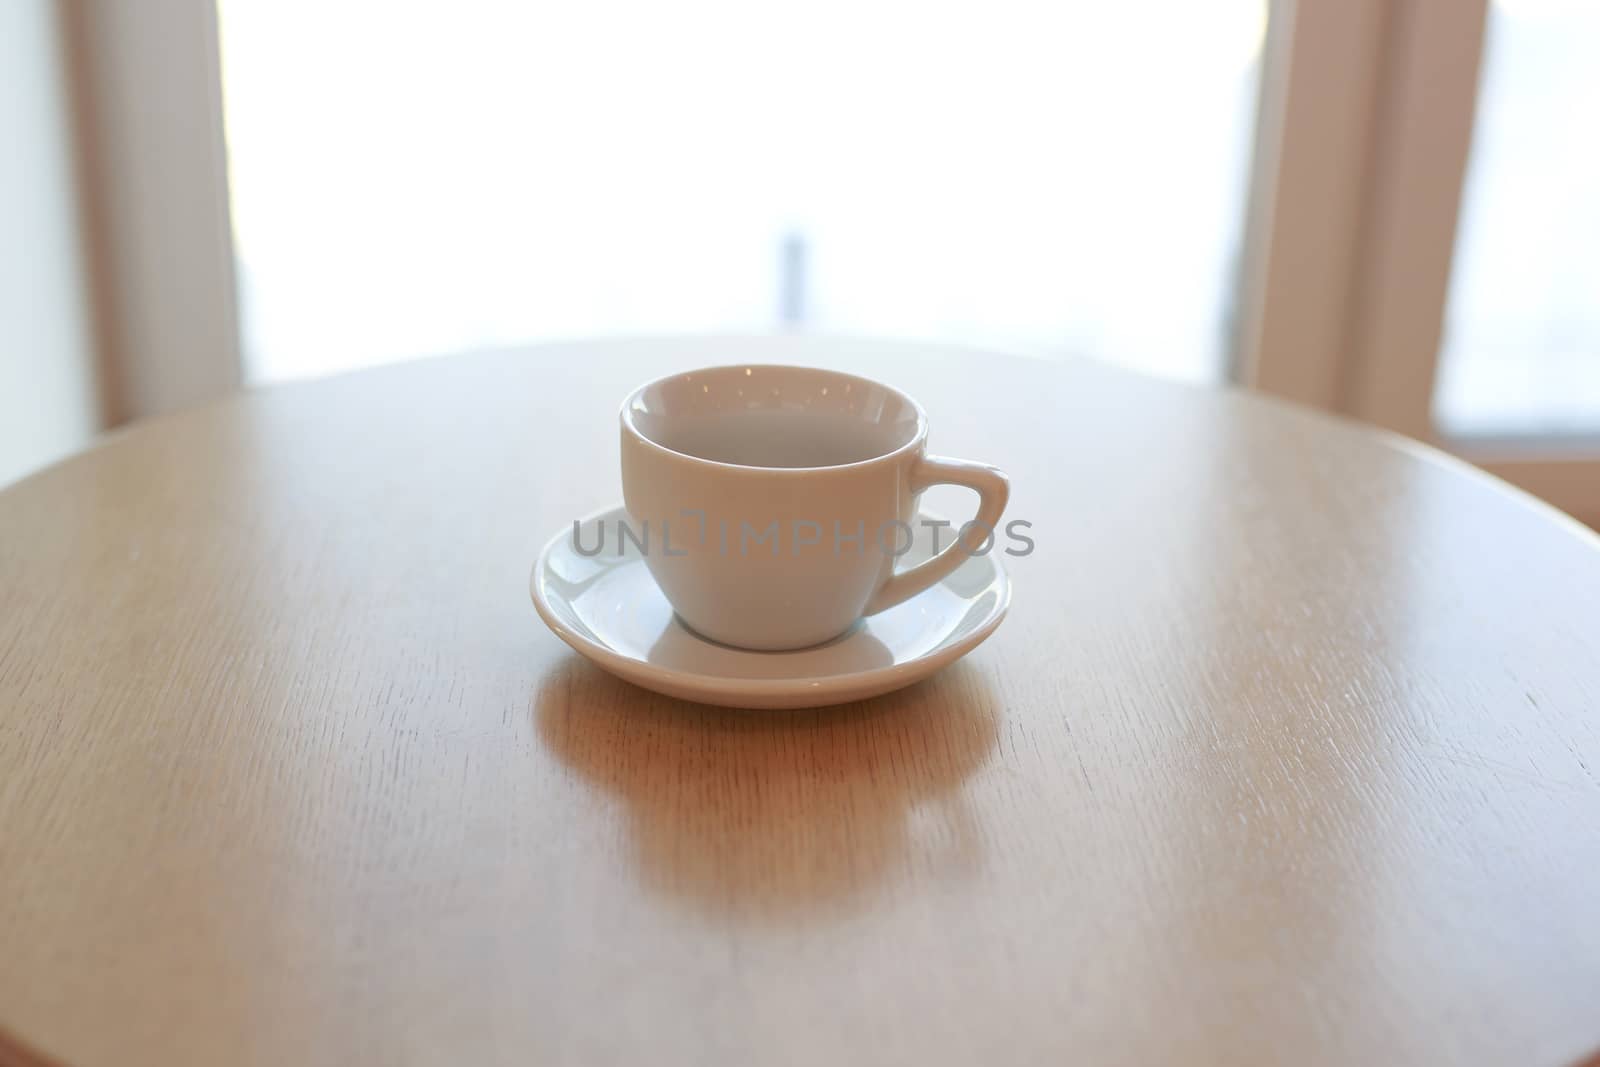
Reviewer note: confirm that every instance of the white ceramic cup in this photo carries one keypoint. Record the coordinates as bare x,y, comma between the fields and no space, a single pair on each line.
771,502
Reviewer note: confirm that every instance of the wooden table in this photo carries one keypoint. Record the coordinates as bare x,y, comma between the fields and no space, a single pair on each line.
1289,752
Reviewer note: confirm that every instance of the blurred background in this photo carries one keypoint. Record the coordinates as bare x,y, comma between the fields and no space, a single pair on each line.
1384,208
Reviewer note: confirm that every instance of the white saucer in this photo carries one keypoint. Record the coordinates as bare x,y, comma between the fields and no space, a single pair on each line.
608,608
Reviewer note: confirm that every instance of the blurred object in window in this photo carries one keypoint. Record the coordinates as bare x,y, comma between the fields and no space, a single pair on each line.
1044,175
1521,354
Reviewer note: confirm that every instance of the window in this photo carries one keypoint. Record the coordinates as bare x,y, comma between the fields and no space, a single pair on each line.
1055,176
1521,353
1050,177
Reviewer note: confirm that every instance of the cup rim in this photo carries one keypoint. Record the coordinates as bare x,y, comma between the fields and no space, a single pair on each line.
917,440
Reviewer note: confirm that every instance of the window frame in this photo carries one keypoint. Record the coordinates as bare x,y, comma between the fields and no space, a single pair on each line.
1366,158
145,86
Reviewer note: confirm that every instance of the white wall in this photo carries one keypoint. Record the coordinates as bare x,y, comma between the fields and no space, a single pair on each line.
48,404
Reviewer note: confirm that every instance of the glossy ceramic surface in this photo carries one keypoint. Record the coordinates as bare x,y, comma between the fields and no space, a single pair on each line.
772,499
608,607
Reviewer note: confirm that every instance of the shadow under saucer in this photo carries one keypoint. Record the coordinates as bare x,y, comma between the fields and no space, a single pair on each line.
753,816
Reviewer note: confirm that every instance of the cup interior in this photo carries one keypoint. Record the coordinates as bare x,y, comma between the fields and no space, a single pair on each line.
776,417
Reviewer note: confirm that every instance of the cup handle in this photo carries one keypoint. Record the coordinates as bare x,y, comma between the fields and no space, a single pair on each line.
993,490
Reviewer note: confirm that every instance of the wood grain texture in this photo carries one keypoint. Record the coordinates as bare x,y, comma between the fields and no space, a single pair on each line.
1289,752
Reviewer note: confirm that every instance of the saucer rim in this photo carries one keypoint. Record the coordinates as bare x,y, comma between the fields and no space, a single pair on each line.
864,681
